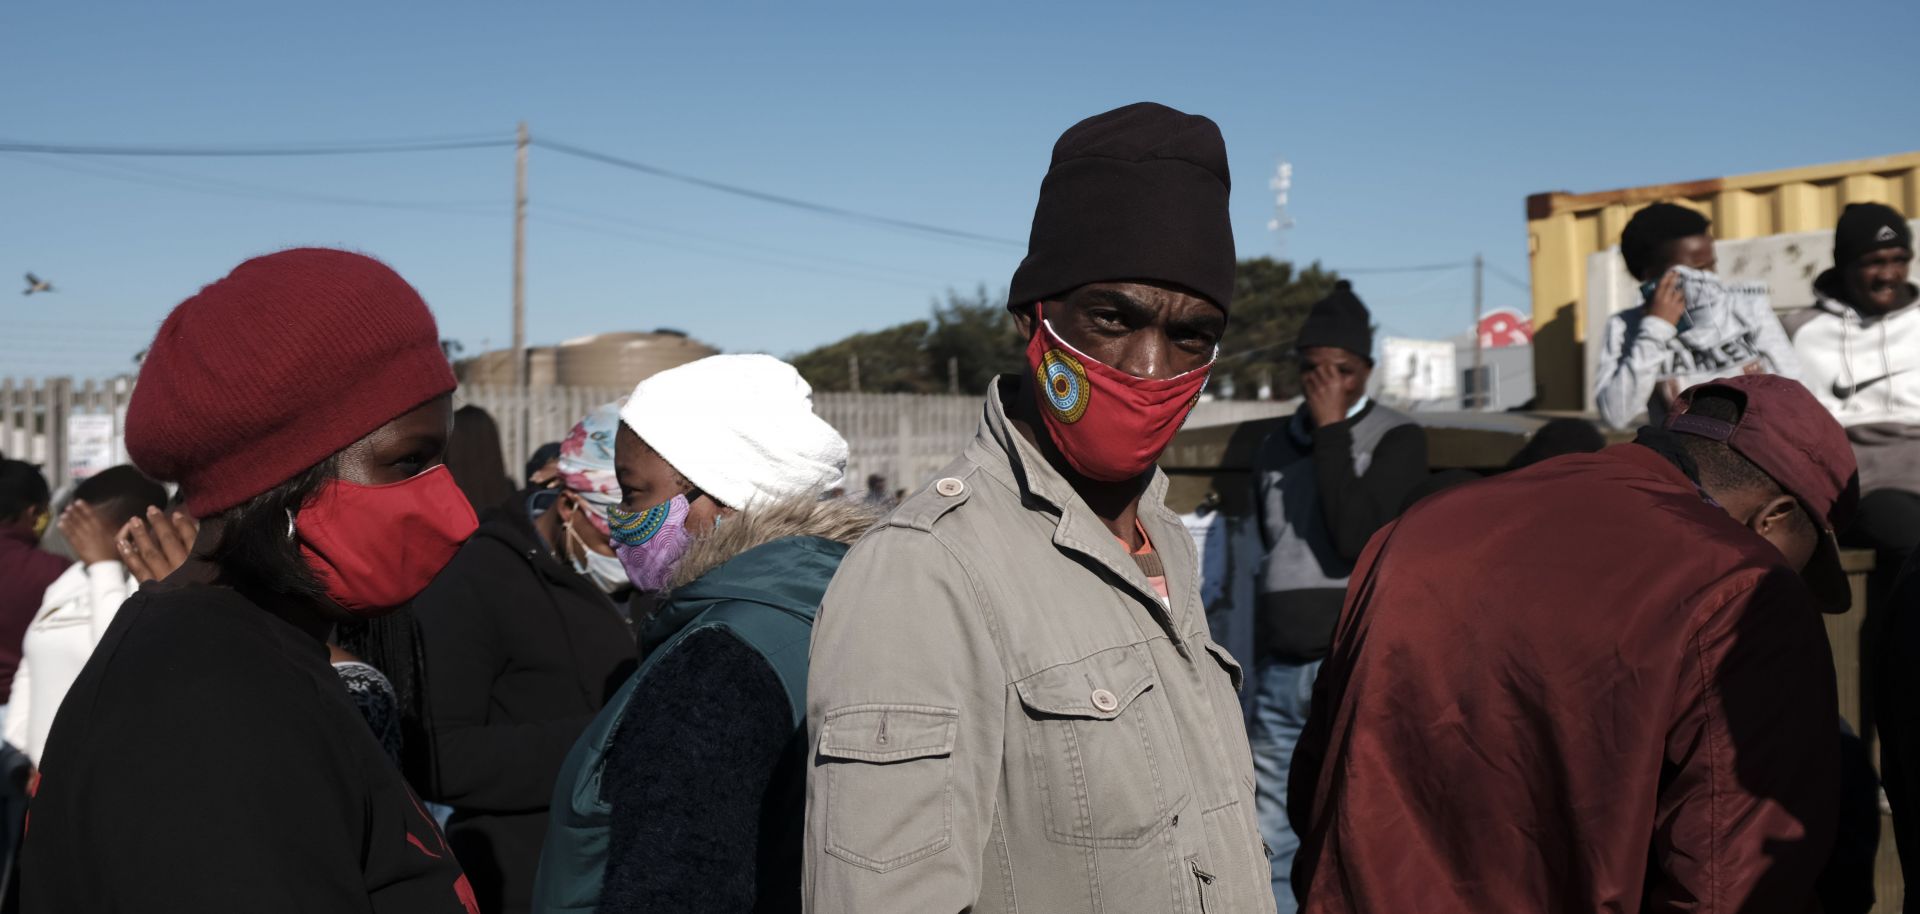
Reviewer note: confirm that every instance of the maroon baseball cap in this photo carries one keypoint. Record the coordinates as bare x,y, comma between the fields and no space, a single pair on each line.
1785,432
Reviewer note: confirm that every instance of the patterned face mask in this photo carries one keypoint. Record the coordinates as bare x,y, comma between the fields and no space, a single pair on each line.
650,543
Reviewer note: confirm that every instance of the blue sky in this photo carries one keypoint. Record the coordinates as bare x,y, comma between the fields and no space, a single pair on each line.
1416,131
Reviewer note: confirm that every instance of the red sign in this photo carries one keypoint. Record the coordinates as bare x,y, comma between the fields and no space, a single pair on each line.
1503,328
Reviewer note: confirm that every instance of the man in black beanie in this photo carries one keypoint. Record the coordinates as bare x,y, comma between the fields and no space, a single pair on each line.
1860,347
1015,700
1337,471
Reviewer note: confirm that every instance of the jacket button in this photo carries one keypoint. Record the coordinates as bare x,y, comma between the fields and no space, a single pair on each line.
950,487
1105,700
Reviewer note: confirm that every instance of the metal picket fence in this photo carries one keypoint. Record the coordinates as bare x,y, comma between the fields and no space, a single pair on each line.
74,427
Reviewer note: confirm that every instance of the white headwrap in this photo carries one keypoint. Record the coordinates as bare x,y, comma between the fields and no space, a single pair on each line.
740,427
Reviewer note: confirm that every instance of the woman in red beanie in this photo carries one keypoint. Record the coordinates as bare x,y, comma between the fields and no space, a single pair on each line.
208,758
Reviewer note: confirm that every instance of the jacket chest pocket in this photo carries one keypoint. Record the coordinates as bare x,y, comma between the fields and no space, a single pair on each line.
1101,741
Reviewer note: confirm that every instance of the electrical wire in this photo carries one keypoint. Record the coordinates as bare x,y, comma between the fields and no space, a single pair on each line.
121,171
425,144
1509,278
822,209
676,233
1417,268
734,256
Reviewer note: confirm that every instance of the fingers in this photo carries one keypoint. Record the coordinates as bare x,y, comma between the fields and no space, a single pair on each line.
131,553
187,526
173,549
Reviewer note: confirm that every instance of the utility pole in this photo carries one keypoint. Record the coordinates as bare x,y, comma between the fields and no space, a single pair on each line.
853,372
1479,379
953,374
521,427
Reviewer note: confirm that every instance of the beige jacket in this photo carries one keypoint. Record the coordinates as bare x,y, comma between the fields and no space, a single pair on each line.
1006,717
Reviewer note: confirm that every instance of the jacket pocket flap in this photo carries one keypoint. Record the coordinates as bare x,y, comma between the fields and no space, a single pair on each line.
1226,661
888,733
1098,687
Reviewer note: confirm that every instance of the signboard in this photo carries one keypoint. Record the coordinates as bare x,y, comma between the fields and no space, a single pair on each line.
89,445
1417,370
1503,328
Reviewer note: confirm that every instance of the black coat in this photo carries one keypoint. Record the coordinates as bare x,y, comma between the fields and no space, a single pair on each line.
521,652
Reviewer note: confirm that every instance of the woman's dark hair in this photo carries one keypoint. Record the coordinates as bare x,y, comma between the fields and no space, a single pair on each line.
473,457
393,645
256,551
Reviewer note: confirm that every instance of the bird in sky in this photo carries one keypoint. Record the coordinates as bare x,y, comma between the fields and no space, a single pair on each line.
36,284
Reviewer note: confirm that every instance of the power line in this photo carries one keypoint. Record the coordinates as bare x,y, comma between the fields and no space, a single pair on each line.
427,144
1417,268
167,180
773,198
1509,278
721,254
677,234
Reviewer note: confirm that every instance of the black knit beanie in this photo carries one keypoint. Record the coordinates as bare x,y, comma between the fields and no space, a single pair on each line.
1136,194
1868,227
1340,320
1653,228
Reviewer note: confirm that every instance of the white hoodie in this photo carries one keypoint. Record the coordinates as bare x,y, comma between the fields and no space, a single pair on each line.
73,617
1645,362
1865,369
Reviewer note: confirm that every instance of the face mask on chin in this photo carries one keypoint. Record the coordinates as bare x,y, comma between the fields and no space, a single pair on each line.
1109,425
605,571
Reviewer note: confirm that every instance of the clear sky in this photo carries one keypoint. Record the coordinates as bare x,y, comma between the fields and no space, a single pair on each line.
1416,131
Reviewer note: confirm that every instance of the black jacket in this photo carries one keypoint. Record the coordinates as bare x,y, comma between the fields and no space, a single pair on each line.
208,759
520,652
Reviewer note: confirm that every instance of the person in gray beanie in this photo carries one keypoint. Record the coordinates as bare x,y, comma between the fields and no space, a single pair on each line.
1015,703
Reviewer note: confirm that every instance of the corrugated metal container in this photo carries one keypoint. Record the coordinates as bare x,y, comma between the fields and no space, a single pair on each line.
1565,229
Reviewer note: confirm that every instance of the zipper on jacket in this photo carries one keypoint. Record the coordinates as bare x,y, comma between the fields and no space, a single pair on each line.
1202,880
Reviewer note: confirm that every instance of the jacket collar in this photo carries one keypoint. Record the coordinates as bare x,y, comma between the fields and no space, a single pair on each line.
1005,455
780,556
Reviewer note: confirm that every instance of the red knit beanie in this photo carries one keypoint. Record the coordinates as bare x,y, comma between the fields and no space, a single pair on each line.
289,359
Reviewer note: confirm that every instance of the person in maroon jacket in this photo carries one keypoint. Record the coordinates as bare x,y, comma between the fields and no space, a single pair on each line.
25,568
1597,684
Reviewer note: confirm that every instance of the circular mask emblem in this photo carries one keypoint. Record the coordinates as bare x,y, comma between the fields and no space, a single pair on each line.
1063,384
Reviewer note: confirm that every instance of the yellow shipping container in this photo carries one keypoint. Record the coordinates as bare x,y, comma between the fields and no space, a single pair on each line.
1564,229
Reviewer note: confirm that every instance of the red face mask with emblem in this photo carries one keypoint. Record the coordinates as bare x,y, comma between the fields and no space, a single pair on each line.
1110,425
376,547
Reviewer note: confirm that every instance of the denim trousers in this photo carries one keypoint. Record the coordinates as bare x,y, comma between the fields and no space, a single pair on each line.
1283,690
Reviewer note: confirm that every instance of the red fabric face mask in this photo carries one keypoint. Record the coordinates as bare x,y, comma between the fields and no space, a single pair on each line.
1110,425
376,547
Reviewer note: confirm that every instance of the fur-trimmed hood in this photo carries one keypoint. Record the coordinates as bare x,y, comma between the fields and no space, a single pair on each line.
839,520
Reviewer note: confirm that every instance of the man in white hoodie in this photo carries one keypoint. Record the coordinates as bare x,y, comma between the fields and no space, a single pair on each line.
1860,344
1691,327
79,604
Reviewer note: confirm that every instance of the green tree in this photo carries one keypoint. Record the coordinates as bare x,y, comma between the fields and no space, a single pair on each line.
975,335
892,360
1270,302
